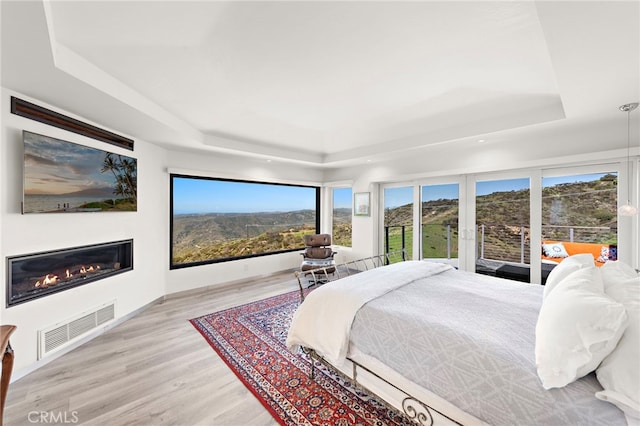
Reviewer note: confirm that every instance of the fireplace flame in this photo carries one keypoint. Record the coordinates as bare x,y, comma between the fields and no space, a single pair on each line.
52,279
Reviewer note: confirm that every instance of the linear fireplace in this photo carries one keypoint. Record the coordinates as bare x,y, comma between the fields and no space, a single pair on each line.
35,275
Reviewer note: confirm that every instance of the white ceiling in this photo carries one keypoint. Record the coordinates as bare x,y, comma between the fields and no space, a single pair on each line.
331,83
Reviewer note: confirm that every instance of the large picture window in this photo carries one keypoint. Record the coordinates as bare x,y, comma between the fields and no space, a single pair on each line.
215,220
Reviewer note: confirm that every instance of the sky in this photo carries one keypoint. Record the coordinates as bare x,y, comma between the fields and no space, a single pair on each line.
394,197
342,198
555,180
503,185
199,195
53,166
447,191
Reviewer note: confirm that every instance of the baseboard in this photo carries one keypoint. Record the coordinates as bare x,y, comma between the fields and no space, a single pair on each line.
18,374
227,285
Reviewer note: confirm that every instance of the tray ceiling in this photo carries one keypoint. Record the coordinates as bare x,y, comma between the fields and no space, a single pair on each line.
331,83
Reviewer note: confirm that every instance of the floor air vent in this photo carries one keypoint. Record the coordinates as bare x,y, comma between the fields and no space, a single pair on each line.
59,335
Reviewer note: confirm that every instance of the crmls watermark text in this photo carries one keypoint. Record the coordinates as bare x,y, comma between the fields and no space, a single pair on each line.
52,417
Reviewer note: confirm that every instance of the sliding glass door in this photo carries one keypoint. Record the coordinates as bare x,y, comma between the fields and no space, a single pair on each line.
516,225
503,228
398,219
579,215
439,221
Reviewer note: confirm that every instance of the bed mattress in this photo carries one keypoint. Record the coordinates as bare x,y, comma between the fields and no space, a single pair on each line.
470,339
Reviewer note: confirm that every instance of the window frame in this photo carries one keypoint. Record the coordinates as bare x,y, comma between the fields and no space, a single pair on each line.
172,176
627,245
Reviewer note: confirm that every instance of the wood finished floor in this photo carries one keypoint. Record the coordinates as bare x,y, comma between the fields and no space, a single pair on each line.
154,369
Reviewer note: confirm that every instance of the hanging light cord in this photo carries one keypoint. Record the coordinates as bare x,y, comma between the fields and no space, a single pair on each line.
629,154
628,108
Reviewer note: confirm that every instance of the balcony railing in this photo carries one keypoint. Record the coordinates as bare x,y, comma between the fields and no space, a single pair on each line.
511,243
439,241
508,243
499,242
399,238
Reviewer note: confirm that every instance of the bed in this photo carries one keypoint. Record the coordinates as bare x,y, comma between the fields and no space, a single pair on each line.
452,347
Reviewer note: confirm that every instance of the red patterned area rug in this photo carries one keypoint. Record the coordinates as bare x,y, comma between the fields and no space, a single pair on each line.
251,340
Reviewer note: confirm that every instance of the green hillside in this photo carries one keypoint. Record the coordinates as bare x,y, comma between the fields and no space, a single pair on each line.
587,207
200,237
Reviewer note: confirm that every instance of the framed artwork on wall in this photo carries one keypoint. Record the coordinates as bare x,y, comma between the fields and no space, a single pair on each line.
65,177
362,204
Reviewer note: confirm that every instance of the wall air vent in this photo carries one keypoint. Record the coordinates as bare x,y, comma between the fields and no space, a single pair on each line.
57,336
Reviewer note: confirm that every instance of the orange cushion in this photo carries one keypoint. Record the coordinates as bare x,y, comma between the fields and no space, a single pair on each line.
595,249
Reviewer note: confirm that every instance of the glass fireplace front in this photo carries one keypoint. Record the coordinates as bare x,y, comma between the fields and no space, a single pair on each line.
34,275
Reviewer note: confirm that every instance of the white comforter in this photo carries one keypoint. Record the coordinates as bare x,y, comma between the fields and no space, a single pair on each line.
323,321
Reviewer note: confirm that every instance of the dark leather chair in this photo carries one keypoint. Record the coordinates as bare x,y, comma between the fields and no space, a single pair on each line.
318,254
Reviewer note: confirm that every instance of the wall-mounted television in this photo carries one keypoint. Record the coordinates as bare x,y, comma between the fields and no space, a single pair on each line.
65,177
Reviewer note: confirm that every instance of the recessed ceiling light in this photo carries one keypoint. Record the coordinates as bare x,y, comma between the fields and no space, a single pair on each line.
481,140
268,161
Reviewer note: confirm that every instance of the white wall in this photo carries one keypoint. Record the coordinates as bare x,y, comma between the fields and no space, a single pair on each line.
22,234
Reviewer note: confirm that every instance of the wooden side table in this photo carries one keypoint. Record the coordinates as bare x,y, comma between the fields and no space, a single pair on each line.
7,364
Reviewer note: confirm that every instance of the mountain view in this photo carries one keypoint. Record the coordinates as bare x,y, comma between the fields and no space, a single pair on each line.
585,209
200,237
342,227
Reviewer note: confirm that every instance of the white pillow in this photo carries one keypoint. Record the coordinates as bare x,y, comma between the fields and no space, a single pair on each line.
554,250
616,272
577,327
565,268
619,373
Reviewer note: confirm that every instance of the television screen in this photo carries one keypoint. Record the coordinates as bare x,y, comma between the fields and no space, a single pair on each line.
64,177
